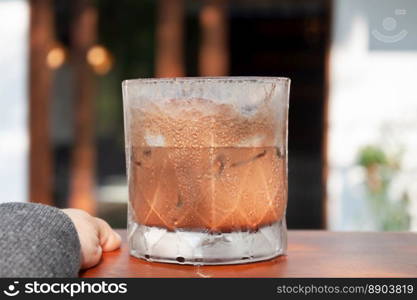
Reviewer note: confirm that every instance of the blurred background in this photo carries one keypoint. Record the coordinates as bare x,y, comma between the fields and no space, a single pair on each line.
353,102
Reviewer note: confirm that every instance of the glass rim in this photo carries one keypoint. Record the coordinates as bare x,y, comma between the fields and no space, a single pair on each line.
220,79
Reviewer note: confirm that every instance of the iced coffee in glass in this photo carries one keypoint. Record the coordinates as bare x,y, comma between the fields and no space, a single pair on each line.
207,168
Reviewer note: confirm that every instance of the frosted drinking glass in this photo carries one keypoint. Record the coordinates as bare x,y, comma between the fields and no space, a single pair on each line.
207,168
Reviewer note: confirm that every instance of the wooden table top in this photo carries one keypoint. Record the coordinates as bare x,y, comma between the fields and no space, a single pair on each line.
310,254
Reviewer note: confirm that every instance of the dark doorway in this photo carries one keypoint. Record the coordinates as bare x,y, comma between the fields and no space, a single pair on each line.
289,39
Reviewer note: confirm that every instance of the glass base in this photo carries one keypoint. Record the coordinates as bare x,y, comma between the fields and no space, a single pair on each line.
205,248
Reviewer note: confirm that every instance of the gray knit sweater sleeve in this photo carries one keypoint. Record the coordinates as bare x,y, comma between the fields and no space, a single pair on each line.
37,241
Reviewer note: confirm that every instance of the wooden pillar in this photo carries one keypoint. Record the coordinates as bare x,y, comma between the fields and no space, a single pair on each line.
170,39
214,52
40,154
327,23
83,37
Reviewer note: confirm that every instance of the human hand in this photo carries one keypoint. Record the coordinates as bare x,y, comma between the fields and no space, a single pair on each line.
95,236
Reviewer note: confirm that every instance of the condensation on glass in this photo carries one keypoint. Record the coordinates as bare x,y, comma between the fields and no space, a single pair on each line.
207,168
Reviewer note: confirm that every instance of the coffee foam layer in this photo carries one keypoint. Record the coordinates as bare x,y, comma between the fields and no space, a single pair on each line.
201,123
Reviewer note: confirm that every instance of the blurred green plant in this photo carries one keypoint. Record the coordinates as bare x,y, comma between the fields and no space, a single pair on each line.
381,170
371,155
